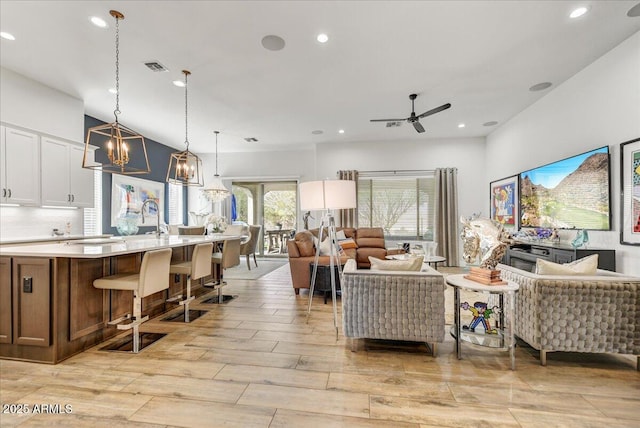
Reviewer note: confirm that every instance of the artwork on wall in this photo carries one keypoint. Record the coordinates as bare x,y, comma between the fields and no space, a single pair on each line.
630,189
504,201
128,194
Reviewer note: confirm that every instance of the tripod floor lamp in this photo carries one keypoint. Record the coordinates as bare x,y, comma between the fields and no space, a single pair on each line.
326,196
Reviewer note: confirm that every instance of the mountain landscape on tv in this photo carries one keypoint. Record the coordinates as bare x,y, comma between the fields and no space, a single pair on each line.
580,200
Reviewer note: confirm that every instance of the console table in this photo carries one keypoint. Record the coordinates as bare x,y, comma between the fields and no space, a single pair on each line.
523,255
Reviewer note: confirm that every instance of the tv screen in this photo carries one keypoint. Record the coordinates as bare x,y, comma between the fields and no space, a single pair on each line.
567,194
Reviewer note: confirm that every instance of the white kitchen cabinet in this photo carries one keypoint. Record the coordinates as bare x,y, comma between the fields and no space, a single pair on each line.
64,181
20,167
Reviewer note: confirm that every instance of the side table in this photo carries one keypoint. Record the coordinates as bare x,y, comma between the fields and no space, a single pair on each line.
503,338
323,279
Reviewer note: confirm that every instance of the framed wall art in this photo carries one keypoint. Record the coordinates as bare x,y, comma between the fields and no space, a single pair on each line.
128,194
630,192
503,196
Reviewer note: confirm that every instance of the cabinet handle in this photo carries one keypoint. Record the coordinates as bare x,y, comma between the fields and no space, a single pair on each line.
68,197
4,193
9,193
73,198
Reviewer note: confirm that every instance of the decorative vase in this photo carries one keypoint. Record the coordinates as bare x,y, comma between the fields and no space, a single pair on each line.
127,225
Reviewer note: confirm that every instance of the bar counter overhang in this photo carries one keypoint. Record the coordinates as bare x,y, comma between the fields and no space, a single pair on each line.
49,309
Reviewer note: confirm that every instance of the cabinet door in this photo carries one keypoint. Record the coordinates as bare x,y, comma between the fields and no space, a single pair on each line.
563,256
3,163
5,300
22,167
55,173
31,301
81,179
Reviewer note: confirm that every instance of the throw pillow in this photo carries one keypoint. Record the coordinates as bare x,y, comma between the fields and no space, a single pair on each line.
340,235
584,266
325,246
411,264
347,243
304,241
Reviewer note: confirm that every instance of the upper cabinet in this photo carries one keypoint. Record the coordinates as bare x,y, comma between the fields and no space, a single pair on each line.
20,167
64,181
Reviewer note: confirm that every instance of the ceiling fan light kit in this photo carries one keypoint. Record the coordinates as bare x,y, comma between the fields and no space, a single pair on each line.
413,118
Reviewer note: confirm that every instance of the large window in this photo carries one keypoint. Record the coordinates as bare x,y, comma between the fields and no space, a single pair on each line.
403,204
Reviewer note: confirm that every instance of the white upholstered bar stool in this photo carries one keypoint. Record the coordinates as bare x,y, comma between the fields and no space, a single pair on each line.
199,266
153,277
229,257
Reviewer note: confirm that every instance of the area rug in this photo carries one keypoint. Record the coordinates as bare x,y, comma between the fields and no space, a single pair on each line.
265,266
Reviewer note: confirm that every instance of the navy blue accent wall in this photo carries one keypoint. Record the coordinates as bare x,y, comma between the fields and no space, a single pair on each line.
159,155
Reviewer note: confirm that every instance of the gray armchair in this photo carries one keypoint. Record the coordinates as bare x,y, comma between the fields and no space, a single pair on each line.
249,247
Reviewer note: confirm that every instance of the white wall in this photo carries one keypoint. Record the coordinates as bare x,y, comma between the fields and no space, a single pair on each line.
32,105
598,106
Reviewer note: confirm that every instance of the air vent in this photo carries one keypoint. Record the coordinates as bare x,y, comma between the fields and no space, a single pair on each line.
251,140
393,124
155,66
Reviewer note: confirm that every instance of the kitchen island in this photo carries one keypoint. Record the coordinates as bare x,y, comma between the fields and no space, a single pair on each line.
49,309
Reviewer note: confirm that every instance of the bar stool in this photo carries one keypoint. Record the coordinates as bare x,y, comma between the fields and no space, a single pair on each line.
152,278
196,268
229,257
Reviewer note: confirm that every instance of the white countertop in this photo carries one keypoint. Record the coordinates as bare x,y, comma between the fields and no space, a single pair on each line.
107,247
47,238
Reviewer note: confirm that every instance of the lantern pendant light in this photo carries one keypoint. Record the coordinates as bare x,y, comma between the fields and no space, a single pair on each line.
185,168
119,149
216,191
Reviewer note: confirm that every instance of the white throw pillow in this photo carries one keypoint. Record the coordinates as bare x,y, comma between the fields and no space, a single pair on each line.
340,235
325,246
584,266
411,264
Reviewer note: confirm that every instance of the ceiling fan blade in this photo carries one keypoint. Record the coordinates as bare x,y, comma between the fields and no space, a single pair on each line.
418,126
435,110
387,120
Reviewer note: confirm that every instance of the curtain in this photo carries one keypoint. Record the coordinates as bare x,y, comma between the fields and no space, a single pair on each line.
447,214
349,217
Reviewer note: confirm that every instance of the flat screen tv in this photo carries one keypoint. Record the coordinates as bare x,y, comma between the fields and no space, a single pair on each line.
572,193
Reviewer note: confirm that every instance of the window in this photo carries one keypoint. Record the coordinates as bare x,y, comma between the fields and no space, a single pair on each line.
403,204
93,216
176,204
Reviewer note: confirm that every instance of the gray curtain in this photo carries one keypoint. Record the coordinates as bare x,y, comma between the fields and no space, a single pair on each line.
447,214
348,218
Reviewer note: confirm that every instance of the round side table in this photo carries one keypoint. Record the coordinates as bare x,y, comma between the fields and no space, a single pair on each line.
504,336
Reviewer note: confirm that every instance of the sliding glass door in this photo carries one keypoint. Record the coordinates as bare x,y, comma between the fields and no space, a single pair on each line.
271,204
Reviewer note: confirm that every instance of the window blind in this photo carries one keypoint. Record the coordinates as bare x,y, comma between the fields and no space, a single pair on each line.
93,216
175,204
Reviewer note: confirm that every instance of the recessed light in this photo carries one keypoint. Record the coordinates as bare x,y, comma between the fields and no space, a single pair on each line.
578,12
461,125
634,12
273,43
322,38
179,83
98,22
540,86
317,132
340,131
7,36
490,123
113,90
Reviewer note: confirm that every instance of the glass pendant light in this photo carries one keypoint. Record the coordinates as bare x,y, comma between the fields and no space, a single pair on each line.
119,149
216,192
185,168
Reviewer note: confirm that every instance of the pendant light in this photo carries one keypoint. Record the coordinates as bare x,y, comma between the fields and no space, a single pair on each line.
119,149
185,168
216,192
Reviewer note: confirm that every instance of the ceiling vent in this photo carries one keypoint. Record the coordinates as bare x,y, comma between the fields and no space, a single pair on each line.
251,140
155,66
393,124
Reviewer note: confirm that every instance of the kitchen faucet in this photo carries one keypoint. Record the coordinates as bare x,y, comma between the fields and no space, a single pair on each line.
148,201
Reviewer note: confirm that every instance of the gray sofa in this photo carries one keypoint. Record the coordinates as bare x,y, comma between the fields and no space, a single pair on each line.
598,314
393,305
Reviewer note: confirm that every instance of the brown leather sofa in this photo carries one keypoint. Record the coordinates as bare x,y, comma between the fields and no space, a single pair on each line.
301,249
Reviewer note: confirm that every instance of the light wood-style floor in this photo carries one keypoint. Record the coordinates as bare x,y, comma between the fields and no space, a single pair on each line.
256,362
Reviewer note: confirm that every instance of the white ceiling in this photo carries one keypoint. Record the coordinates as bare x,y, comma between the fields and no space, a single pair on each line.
480,56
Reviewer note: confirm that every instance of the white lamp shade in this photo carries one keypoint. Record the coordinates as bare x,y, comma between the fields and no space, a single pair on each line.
327,194
340,194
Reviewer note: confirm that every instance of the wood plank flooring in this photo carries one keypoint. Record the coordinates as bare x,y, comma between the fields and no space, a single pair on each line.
256,362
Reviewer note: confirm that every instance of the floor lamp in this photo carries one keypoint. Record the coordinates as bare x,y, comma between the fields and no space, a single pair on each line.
327,195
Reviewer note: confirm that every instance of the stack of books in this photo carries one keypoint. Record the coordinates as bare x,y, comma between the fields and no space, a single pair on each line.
485,276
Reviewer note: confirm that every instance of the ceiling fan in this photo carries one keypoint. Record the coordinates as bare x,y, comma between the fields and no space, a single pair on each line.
413,119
